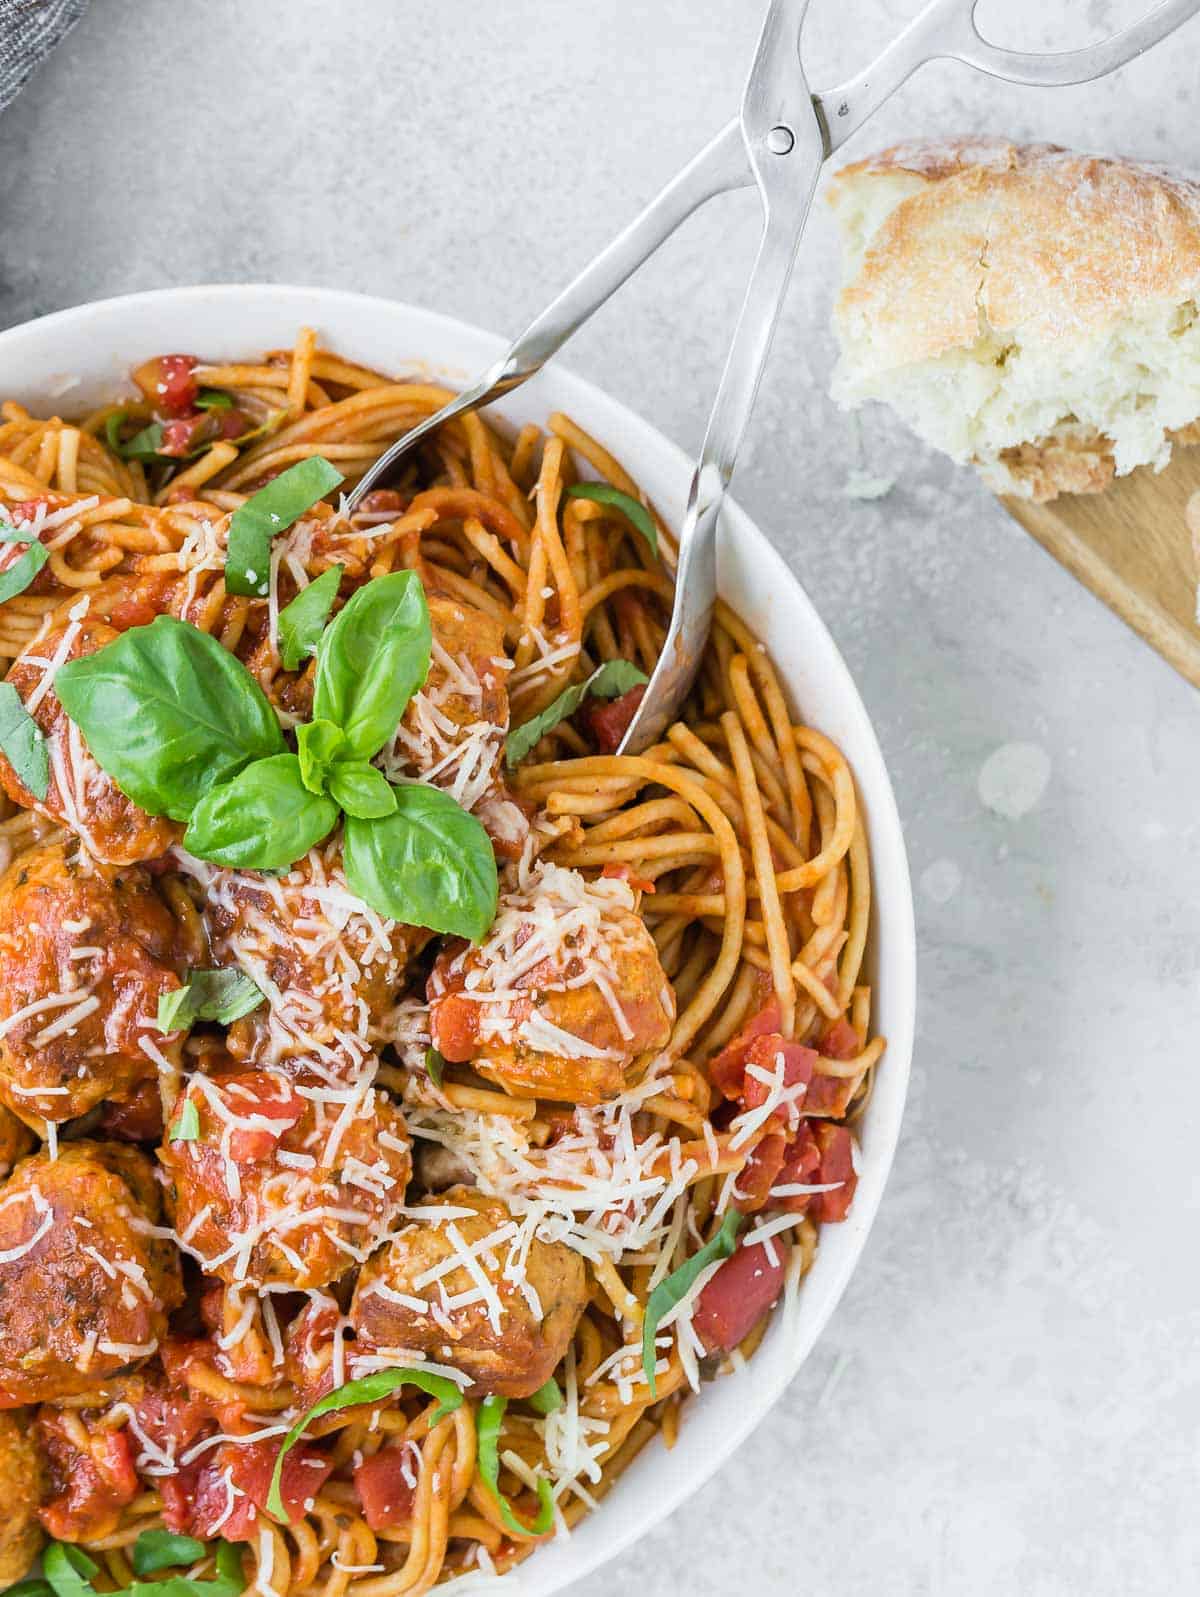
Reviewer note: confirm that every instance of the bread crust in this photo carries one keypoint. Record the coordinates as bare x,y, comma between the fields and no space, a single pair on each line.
1034,241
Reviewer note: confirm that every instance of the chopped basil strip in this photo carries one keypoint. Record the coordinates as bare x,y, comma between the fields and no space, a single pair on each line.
214,399
17,577
272,509
612,679
144,445
22,743
186,1127
168,713
160,1549
370,1389
70,1572
602,493
222,995
487,1426
547,1399
303,620
677,1285
69,1569
435,1066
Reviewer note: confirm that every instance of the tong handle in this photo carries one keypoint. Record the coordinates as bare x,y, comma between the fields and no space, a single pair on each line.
946,30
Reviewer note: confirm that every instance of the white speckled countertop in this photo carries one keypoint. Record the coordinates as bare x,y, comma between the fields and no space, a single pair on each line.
1008,1398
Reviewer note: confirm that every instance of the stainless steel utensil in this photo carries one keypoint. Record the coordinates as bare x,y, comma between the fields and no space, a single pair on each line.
779,142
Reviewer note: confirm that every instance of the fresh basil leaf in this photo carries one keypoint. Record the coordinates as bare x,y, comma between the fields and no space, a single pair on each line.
370,1389
264,819
372,658
144,445
22,743
675,1288
318,744
224,995
429,864
547,1399
303,620
168,713
435,1065
272,509
160,1549
487,1429
214,399
361,790
33,1587
229,1581
17,577
112,430
609,681
69,1570
185,1129
602,493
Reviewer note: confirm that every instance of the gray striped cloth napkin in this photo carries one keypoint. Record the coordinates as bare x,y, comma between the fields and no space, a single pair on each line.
29,30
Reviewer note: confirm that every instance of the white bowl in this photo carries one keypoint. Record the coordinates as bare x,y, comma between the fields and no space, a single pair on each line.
78,358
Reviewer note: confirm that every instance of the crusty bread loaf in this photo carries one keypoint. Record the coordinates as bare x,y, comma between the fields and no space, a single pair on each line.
1023,307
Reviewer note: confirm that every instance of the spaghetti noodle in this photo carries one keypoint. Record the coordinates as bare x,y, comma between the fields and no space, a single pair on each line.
512,1168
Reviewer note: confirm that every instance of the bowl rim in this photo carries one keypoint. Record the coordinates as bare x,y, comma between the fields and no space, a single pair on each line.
560,1563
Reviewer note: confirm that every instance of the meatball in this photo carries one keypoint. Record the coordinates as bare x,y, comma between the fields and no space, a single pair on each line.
564,1000
452,733
86,950
508,1339
330,967
23,1476
80,796
16,1140
85,1283
283,1184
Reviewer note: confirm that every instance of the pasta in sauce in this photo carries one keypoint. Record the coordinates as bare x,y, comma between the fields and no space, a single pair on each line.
492,1164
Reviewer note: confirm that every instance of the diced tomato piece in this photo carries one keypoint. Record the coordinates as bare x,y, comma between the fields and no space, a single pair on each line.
836,1146
224,1493
274,1100
172,1417
186,433
384,1489
841,1041
738,1296
24,510
172,386
89,1489
454,1024
606,723
308,1350
383,501
799,1169
727,1069
138,1119
622,871
764,1054
757,1176
231,423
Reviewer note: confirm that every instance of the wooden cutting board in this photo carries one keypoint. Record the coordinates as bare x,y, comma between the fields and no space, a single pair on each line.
1133,548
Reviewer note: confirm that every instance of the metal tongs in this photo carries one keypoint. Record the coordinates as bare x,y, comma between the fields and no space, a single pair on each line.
780,140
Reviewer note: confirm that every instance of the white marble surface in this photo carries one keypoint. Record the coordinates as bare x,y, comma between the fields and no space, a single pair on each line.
1009,1396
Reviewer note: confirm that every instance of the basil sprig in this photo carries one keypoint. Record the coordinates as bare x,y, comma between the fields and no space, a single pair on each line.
272,509
487,1430
223,995
609,681
603,493
69,1572
168,713
675,1287
369,1389
184,730
22,743
302,622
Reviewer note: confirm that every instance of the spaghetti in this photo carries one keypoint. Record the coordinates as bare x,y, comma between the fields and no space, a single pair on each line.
557,1174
